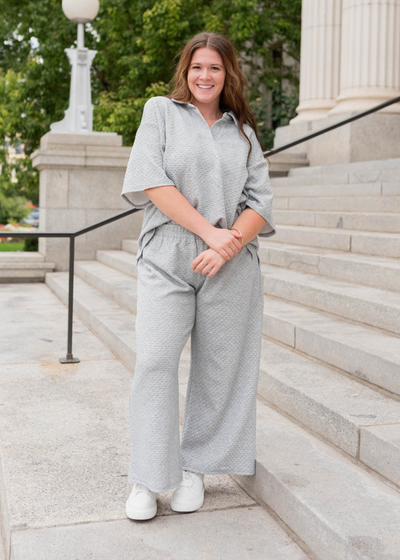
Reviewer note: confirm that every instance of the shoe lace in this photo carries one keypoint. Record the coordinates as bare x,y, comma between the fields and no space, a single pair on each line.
188,478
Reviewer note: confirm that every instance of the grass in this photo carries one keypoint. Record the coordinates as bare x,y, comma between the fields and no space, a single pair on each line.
15,246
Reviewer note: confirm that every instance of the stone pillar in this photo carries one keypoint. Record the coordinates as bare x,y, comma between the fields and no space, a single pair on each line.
81,177
369,75
319,61
370,56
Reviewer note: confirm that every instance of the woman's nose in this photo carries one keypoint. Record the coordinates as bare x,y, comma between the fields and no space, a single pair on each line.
205,75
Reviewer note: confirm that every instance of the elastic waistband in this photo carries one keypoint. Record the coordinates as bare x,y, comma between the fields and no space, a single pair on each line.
172,229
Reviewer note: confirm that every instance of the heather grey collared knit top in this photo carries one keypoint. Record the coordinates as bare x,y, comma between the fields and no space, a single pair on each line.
175,146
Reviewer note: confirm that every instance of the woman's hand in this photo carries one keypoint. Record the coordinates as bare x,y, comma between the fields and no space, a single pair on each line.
225,242
208,262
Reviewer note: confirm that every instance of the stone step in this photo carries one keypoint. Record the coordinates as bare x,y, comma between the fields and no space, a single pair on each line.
23,266
373,170
373,307
310,179
130,245
326,190
340,428
106,318
327,500
315,489
377,272
21,256
371,355
116,284
124,261
366,221
390,204
324,401
365,242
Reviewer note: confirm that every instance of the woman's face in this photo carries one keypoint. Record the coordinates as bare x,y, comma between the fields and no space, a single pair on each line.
206,69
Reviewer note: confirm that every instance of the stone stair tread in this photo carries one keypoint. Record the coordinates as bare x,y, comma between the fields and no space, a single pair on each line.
357,167
324,497
339,287
118,254
345,212
378,343
90,302
21,256
314,179
116,284
112,275
367,353
327,402
122,259
330,253
335,189
337,231
28,265
130,245
389,204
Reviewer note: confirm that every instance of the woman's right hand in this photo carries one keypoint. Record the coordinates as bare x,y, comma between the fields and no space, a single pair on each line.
225,241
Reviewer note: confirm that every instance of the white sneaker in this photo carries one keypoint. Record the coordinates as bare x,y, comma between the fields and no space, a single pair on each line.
142,502
189,496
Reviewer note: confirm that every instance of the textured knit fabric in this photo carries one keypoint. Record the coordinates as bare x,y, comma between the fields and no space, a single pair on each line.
223,314
175,146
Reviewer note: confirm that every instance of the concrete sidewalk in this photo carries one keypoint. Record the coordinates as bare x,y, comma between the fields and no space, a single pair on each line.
64,450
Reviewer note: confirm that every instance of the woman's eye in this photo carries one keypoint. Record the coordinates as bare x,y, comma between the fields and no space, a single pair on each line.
216,68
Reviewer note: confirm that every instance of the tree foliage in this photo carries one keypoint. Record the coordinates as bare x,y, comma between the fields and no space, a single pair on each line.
138,42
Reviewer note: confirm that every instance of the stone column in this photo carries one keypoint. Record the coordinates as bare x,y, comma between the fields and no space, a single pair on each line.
369,75
319,62
370,56
81,177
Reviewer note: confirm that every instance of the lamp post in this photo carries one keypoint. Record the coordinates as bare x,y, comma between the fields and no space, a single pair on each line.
79,115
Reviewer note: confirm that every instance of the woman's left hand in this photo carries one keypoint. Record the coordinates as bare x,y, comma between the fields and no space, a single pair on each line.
208,262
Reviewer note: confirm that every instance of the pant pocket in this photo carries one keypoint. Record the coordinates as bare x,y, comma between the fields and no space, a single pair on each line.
143,245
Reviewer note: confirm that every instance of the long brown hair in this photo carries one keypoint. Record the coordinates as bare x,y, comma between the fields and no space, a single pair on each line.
232,96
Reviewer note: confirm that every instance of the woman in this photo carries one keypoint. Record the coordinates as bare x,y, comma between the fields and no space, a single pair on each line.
201,176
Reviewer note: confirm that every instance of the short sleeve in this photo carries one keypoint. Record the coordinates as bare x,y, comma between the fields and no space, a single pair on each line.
145,166
258,190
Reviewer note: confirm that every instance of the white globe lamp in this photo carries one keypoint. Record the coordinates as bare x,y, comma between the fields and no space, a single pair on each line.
81,11
79,115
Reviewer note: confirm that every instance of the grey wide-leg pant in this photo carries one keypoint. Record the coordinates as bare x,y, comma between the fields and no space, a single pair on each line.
223,314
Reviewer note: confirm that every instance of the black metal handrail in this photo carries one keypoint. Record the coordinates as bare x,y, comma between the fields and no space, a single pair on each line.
332,126
69,359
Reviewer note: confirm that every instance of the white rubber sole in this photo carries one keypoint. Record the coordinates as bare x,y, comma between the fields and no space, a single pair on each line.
140,514
187,507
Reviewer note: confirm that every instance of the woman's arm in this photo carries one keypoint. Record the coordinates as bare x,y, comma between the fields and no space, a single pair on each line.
173,204
250,223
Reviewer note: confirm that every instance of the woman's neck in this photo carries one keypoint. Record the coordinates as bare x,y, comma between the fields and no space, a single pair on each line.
210,111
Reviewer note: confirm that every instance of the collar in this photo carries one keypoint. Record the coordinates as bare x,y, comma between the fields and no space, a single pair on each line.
231,113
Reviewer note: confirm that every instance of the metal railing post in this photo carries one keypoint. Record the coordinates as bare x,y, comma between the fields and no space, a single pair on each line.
69,358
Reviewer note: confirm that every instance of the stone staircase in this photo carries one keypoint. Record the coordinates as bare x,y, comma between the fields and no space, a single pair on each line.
23,266
328,430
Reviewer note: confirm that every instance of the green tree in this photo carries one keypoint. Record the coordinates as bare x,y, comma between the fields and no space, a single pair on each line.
137,43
